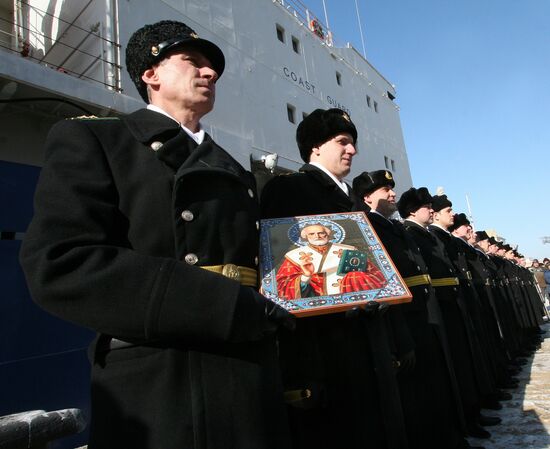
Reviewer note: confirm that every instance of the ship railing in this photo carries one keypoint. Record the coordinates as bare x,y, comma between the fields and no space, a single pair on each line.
306,17
36,428
80,38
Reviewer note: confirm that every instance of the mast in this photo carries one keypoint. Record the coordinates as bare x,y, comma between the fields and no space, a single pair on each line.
360,29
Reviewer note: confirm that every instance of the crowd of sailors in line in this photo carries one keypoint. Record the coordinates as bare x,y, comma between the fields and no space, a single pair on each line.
455,348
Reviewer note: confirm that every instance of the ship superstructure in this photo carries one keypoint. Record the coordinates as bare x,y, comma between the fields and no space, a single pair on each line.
281,64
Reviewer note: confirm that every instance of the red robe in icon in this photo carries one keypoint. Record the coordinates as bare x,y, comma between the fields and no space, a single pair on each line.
325,280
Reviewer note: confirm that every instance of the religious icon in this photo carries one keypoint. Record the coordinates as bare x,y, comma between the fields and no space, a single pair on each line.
321,264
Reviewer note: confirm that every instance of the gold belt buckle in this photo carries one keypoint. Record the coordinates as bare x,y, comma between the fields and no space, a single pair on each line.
231,271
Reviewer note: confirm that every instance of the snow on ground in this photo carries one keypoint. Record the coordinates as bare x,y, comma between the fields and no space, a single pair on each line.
526,417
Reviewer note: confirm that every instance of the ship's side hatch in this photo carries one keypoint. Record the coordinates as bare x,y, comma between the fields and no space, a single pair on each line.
43,360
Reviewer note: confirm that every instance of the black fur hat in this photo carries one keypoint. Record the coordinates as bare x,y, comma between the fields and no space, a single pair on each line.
460,219
440,202
151,43
412,200
368,182
481,235
321,125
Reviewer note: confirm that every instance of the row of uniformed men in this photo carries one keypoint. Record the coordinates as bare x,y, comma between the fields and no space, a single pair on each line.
454,348
186,357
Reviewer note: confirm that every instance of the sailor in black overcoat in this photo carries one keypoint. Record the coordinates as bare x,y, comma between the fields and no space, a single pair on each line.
507,304
416,206
432,410
344,361
146,231
478,263
529,305
468,300
487,273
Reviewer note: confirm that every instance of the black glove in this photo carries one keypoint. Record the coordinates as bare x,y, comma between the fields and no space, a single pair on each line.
256,316
407,361
367,310
277,315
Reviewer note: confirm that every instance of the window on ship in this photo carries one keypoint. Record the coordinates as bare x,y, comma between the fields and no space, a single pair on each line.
280,33
291,113
295,45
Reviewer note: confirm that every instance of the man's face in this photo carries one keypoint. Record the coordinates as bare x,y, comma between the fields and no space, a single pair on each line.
464,231
335,154
484,245
493,249
382,200
316,235
185,80
424,215
444,217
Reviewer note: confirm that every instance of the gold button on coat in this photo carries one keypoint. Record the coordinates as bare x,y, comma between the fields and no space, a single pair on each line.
250,193
191,258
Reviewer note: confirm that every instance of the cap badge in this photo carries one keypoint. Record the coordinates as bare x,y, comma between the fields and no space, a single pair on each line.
155,50
194,35
388,176
346,116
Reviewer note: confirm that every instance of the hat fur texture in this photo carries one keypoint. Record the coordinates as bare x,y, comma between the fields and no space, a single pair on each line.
368,182
412,200
320,126
144,49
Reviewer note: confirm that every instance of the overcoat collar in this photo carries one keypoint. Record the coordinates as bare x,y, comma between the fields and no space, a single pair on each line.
328,184
413,225
441,233
147,126
178,150
381,221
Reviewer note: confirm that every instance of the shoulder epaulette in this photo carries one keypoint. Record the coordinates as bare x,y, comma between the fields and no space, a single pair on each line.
92,117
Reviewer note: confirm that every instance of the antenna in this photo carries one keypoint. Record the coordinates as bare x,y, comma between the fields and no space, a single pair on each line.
469,209
326,15
360,30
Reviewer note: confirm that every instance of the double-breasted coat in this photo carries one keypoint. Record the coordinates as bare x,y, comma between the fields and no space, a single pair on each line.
127,211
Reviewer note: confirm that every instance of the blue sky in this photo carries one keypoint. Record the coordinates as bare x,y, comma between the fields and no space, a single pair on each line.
473,85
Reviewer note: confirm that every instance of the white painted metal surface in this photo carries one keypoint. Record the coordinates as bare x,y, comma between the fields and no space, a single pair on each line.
264,77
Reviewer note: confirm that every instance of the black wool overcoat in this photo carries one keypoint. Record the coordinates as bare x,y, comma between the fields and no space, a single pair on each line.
440,266
431,404
468,302
346,362
127,211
